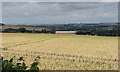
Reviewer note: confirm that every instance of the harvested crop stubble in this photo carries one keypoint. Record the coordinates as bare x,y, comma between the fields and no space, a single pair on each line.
63,52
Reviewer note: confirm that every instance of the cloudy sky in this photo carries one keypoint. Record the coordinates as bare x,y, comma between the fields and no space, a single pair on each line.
58,12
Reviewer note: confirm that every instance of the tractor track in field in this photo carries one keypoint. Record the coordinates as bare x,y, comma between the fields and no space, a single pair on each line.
72,56
25,42
74,59
67,57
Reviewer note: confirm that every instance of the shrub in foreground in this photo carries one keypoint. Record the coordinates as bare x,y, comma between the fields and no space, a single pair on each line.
9,66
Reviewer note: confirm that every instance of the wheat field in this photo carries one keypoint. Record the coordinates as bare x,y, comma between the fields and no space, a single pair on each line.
62,52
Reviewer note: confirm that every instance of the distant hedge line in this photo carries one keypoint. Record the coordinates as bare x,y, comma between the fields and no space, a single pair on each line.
81,32
100,33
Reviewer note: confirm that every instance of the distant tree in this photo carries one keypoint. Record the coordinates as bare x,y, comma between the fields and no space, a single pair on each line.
1,24
33,31
10,30
22,29
53,30
43,31
88,33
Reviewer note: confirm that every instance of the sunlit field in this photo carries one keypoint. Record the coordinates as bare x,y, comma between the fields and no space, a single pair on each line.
62,52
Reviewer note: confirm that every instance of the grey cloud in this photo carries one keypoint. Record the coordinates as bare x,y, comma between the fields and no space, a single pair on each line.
13,4
0,12
61,0
77,6
51,12
70,6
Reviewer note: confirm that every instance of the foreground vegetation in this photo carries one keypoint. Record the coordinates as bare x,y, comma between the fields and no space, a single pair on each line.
20,66
62,52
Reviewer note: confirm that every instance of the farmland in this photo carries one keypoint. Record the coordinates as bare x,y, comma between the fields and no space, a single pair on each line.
62,52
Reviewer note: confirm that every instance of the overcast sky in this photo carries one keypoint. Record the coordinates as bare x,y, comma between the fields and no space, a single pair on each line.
58,12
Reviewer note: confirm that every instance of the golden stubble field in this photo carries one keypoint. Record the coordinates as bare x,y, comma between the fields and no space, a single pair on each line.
62,52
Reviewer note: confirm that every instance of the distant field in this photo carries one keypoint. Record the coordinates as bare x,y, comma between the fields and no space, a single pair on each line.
63,52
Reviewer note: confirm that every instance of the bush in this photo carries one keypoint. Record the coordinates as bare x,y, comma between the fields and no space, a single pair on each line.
9,66
22,29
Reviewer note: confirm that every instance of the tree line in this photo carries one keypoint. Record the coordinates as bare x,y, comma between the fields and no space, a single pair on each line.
100,33
24,30
79,32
